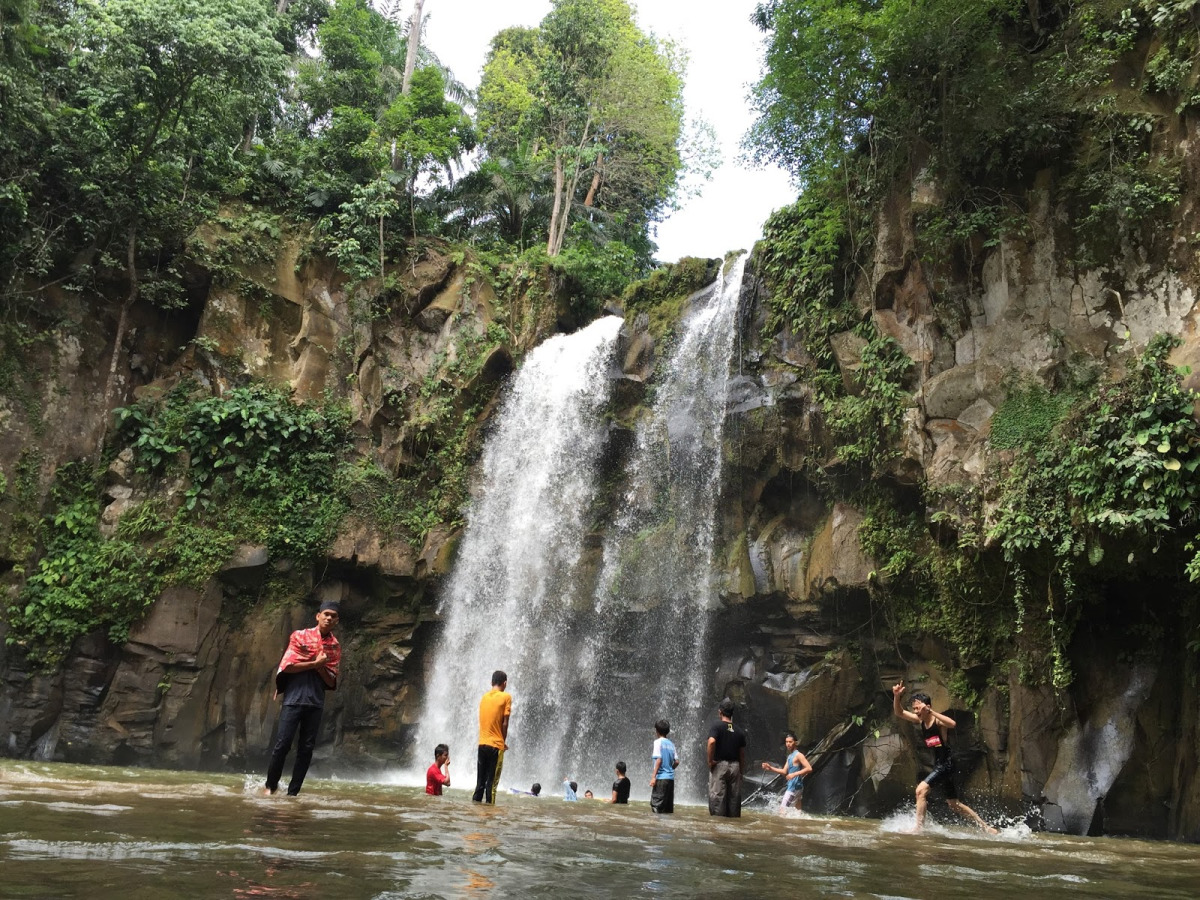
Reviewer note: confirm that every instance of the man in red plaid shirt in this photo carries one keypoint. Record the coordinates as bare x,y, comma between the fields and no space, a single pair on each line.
308,669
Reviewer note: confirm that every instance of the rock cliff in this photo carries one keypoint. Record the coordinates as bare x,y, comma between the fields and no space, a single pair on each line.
807,635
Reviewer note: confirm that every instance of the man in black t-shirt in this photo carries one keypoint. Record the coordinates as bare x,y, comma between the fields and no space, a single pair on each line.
726,762
621,786
934,727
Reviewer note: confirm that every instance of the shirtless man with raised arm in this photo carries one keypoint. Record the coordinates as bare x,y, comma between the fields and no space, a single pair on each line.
934,726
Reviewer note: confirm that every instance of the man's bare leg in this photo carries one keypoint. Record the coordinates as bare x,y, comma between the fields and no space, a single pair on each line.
922,802
967,813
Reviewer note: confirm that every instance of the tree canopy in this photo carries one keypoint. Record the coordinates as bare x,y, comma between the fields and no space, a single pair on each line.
126,123
598,103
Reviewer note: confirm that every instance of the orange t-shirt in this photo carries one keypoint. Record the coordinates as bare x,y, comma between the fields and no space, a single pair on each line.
495,706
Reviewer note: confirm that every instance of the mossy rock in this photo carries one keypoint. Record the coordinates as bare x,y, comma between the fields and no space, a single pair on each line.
664,294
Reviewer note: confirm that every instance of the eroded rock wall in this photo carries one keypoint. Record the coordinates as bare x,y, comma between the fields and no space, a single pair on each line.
1112,754
192,687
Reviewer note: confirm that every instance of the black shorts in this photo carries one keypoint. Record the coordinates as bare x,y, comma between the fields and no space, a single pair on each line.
942,778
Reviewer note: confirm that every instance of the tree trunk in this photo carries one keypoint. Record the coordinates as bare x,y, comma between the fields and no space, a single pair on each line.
414,43
551,249
110,384
590,199
558,237
249,134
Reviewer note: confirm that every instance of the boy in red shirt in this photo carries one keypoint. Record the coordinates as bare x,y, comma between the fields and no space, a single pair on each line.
438,775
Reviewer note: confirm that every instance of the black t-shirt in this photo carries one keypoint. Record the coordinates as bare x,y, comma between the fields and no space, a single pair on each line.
303,689
621,786
934,741
729,740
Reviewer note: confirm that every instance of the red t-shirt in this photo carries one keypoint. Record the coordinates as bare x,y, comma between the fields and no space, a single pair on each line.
434,779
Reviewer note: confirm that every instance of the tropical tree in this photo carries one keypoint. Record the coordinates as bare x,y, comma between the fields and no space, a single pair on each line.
599,100
156,104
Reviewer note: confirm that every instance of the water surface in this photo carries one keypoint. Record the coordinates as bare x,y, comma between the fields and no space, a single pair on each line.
72,831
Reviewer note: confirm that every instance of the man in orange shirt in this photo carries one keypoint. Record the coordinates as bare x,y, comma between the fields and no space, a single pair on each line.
494,711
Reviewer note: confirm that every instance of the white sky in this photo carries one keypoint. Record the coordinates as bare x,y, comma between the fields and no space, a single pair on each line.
725,54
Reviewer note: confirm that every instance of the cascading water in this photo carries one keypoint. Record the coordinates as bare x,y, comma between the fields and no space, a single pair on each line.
510,598
592,661
648,639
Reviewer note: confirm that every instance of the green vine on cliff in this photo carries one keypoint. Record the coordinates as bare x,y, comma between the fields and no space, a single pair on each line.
866,424
1119,466
1123,462
801,259
252,466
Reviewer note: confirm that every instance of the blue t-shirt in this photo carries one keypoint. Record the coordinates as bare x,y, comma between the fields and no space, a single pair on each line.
665,750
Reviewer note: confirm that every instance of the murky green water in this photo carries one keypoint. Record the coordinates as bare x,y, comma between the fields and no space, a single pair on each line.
70,831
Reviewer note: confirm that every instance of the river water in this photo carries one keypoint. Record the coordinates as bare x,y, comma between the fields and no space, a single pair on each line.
74,831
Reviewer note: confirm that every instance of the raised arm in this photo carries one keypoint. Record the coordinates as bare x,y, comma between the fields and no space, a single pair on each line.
943,719
899,711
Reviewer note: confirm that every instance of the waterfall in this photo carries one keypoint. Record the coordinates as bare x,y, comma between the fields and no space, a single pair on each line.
511,598
649,640
593,657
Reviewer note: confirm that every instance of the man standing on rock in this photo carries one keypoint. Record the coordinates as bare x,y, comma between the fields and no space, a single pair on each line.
308,669
934,726
494,711
726,762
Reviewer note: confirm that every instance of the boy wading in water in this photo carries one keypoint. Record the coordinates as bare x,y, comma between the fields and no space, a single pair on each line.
437,776
662,776
795,768
934,726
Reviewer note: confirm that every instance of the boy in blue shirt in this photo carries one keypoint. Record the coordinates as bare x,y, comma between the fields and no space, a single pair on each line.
795,768
662,776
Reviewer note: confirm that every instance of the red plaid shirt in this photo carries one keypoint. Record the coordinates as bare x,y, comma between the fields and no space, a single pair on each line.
304,646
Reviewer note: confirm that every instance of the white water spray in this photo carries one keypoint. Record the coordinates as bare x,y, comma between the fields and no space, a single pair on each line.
510,598
593,660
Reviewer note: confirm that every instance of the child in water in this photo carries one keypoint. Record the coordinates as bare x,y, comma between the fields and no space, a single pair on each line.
438,774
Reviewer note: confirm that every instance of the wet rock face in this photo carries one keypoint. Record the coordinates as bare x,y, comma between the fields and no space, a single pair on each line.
798,584
193,685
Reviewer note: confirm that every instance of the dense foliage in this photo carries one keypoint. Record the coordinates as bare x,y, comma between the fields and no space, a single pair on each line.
145,141
124,124
248,466
592,107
